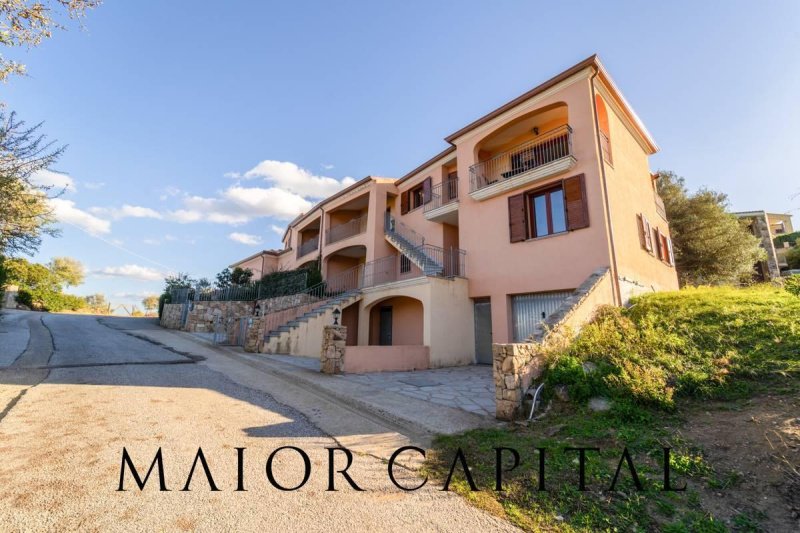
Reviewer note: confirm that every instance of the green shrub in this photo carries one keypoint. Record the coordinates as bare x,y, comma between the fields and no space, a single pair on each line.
283,282
49,300
792,284
165,298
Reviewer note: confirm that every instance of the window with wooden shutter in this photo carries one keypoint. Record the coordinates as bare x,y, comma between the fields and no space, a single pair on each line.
658,246
517,221
671,254
404,202
648,234
575,200
426,190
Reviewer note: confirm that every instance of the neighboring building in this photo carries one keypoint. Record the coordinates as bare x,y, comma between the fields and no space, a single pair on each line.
768,226
480,243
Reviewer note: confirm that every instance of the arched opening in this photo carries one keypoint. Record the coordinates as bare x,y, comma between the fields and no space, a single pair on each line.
396,321
339,267
602,122
521,145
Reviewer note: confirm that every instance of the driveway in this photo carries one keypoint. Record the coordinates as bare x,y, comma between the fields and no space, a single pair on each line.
101,385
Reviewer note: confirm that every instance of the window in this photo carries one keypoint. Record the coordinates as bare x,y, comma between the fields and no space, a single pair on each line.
645,233
602,122
405,264
416,197
548,211
547,214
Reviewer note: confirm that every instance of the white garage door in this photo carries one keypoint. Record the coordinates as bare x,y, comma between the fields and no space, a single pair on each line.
528,310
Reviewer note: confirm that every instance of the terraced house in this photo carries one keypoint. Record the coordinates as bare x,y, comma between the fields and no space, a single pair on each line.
484,241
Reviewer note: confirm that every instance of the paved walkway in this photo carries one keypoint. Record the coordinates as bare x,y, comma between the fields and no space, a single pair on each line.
470,388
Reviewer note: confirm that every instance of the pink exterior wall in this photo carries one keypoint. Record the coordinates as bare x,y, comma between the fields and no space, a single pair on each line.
359,359
407,321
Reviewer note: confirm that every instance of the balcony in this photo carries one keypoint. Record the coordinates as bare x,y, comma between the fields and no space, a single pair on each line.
443,206
308,247
660,206
547,155
346,230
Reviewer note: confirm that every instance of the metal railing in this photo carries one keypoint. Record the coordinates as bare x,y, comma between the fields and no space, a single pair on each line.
451,260
551,146
660,206
345,230
308,247
442,194
392,226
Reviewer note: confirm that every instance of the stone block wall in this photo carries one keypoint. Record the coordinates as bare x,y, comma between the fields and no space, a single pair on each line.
255,335
333,349
171,316
516,366
204,315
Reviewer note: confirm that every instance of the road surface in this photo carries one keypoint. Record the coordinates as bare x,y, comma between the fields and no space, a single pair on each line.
75,390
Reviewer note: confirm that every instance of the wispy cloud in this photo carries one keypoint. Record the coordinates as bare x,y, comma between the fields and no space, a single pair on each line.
169,191
245,238
93,185
326,166
57,181
277,229
65,211
126,211
238,205
131,271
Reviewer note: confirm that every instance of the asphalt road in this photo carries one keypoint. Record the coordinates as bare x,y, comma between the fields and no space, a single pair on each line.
75,390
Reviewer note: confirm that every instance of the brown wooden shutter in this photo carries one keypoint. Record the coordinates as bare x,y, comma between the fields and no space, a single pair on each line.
517,221
648,235
575,200
404,202
642,231
427,185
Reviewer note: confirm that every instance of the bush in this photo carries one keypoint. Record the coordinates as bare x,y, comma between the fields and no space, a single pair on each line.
165,298
702,342
792,284
284,282
49,300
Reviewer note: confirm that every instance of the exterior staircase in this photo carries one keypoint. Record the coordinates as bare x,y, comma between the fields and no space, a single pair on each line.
412,245
278,340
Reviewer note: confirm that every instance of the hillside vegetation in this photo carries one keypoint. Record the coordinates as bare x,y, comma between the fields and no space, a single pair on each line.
668,364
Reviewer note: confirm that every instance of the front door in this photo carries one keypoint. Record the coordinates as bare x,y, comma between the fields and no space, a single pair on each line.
483,331
385,327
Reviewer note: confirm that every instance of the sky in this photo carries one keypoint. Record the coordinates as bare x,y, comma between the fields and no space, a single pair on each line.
197,130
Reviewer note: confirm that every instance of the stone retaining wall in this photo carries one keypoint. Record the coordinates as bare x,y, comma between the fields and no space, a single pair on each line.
171,316
255,335
516,366
203,315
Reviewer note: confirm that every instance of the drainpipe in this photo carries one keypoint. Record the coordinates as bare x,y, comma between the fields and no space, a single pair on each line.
615,279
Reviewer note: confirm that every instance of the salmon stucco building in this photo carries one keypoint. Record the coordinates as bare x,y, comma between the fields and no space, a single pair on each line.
484,241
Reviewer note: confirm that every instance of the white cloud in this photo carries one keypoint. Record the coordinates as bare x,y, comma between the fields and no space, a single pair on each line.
65,211
126,211
93,185
327,166
233,175
237,205
57,181
292,178
277,229
245,238
169,192
131,271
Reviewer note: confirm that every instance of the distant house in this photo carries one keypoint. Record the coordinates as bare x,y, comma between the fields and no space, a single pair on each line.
484,241
768,226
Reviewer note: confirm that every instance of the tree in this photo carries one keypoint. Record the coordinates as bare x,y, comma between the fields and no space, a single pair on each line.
223,279
25,213
793,256
241,276
39,288
150,302
67,270
181,280
97,303
711,246
25,24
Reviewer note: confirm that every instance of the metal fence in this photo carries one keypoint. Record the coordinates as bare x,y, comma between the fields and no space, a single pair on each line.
345,230
443,193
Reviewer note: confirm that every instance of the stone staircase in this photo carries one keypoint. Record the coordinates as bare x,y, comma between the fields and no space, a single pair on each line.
277,340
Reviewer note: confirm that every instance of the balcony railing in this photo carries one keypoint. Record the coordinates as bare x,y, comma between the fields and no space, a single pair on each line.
392,226
308,247
443,193
345,230
547,148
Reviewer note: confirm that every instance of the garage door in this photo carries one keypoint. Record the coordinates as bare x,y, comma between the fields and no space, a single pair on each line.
528,310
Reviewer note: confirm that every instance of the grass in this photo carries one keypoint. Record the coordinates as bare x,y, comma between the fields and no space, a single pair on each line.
664,354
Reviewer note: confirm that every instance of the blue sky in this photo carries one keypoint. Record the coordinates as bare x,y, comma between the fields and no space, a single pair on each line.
193,124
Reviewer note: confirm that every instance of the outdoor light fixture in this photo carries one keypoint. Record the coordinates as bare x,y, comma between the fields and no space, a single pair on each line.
536,130
336,314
